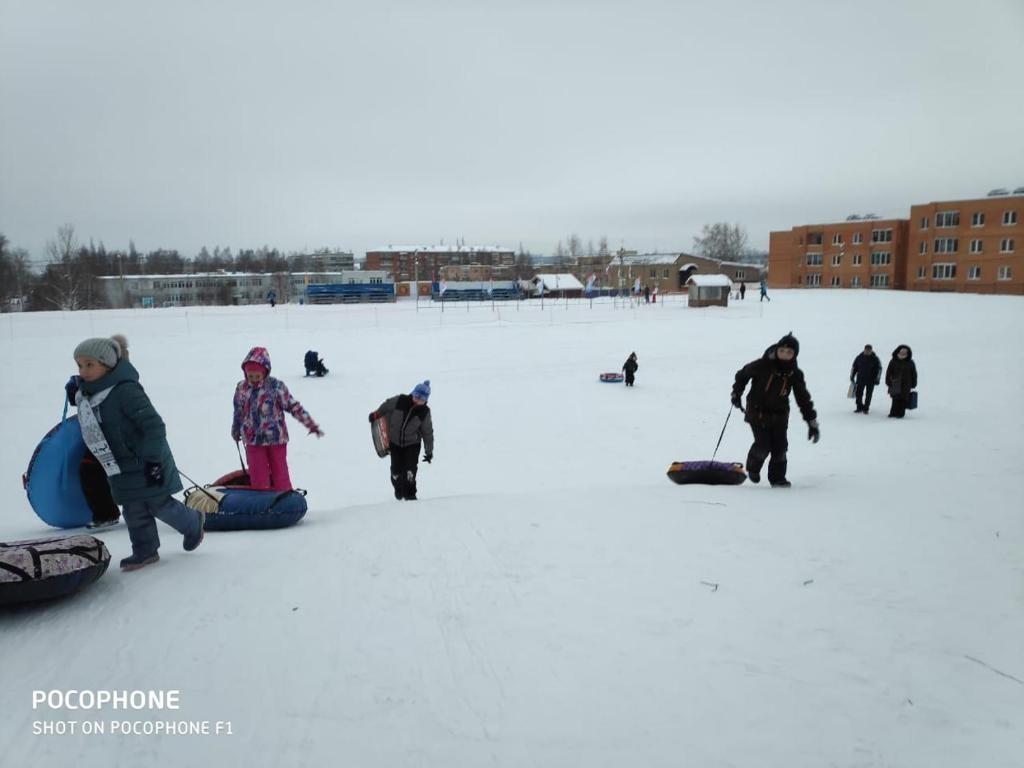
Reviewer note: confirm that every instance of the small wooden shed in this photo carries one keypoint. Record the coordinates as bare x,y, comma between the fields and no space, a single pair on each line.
709,290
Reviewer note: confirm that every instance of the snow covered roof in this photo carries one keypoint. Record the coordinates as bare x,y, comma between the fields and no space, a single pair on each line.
561,281
710,281
647,258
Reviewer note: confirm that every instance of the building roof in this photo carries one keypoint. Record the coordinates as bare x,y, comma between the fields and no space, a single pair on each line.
648,258
710,281
561,281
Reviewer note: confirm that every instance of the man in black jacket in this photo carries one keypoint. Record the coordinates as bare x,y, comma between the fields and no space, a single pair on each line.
409,425
772,377
867,372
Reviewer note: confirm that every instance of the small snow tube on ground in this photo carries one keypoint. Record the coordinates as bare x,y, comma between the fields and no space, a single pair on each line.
40,569
612,378
706,473
53,480
231,508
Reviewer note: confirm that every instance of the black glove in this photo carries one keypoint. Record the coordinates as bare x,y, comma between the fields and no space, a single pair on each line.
813,433
154,473
737,402
71,388
373,416
428,458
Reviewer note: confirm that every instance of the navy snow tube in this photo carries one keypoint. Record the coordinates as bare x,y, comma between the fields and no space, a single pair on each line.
53,481
706,473
40,569
240,509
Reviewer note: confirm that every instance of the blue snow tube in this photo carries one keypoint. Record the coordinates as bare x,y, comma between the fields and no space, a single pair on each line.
242,509
52,480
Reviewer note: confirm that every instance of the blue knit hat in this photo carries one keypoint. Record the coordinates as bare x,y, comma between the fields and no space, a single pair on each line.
422,390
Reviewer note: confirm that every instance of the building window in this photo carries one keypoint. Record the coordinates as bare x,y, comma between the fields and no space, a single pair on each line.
837,239
881,235
924,222
654,274
855,281
947,219
946,245
836,282
1005,273
974,273
813,259
879,258
879,281
1009,217
943,271
814,279
922,247
856,259
837,259
858,238
1006,245
814,238
975,246
664,274
922,271
978,219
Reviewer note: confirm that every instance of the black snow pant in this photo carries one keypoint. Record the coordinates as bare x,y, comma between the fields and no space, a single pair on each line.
405,461
769,440
97,490
630,378
863,391
899,406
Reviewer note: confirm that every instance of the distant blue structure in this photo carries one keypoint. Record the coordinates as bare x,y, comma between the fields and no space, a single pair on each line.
350,293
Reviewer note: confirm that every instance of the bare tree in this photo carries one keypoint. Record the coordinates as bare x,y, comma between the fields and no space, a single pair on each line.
62,286
721,241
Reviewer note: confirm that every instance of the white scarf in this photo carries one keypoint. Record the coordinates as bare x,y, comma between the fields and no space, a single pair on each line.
92,433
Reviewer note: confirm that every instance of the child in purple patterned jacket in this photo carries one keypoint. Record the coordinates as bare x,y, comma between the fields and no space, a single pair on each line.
261,402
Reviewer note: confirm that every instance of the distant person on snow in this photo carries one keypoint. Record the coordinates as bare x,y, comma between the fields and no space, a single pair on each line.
900,378
771,378
260,403
409,423
630,367
272,297
129,440
314,365
866,371
764,291
743,290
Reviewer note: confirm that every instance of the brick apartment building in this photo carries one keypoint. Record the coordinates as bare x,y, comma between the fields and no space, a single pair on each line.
856,253
412,262
972,245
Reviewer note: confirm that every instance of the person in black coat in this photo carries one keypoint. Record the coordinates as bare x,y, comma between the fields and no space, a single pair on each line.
772,378
314,365
630,367
409,425
900,378
866,371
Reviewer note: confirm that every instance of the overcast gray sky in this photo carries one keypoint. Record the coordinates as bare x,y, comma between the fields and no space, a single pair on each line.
303,124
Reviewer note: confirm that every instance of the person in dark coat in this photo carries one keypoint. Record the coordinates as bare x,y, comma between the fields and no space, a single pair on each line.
743,290
630,367
764,291
771,378
866,371
900,378
314,365
124,432
409,424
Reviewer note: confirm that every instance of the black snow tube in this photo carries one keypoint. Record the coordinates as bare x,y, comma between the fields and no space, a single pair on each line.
40,569
706,473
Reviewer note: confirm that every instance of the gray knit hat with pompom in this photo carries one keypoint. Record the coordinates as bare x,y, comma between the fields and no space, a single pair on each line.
107,351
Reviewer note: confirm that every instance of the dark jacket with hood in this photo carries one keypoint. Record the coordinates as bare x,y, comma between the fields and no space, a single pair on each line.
631,366
771,381
135,433
866,369
901,375
408,423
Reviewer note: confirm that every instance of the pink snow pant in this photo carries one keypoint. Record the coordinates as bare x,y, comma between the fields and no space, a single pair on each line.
268,466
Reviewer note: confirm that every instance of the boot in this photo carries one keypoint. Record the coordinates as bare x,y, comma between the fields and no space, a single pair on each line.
194,540
135,562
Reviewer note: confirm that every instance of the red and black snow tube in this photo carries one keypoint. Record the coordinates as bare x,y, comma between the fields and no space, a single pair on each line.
40,569
612,378
706,473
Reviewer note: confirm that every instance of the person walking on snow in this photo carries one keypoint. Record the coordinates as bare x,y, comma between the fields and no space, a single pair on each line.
900,378
630,367
772,378
409,424
866,371
124,432
764,291
743,290
260,403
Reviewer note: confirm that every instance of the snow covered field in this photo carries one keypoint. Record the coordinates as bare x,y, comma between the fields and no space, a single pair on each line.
552,599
